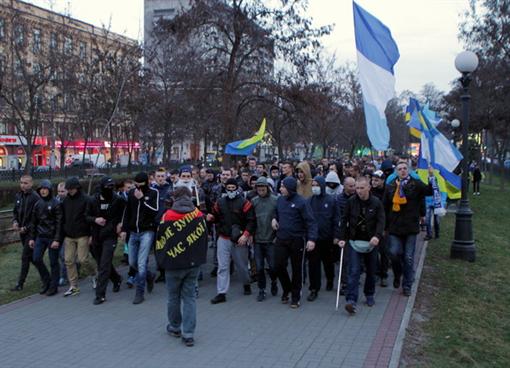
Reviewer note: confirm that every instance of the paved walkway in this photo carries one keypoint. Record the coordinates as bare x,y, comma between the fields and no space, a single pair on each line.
57,332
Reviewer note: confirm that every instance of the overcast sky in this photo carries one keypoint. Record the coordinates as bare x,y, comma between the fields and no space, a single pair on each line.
425,31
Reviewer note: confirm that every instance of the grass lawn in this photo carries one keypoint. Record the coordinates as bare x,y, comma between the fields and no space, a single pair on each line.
10,263
467,316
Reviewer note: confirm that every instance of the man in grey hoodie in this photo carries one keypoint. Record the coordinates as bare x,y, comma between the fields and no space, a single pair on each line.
265,205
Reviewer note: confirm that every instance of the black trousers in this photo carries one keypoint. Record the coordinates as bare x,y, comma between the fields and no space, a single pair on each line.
27,257
322,253
476,186
103,251
293,250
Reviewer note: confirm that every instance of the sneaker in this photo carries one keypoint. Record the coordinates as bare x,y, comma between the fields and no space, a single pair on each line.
285,298
138,298
406,292
18,287
99,300
130,282
329,285
116,286
384,282
173,332
52,291
214,272
295,304
150,283
261,296
274,288
350,307
188,341
220,298
45,288
370,301
396,282
72,291
427,237
247,289
94,282
313,295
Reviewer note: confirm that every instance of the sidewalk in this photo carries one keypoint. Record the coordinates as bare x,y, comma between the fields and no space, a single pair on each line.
57,332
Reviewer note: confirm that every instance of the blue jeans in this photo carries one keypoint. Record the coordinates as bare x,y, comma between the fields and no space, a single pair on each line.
401,251
428,221
264,251
180,285
41,244
354,272
139,246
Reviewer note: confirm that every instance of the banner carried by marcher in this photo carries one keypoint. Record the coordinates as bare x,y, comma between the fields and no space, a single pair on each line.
182,241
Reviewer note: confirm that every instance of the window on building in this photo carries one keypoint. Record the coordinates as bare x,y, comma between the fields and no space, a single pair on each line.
68,45
2,64
163,14
83,50
37,69
53,41
19,35
2,28
3,127
36,46
19,99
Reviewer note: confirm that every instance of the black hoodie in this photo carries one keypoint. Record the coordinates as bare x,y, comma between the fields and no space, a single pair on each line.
140,214
111,208
46,216
74,213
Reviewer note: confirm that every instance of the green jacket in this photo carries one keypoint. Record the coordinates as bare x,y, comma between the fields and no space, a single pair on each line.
264,212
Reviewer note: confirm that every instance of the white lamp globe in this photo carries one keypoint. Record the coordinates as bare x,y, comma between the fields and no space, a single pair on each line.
455,123
466,62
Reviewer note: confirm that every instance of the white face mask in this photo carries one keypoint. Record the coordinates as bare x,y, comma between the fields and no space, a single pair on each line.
316,191
231,194
330,191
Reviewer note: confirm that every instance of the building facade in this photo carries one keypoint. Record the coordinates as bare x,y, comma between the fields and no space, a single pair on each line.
45,58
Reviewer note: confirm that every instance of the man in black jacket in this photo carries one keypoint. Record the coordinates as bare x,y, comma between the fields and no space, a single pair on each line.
235,223
76,232
295,225
45,233
383,261
404,202
105,217
25,201
139,219
362,226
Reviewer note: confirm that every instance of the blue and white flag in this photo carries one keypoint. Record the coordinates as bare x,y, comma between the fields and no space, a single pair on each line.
377,54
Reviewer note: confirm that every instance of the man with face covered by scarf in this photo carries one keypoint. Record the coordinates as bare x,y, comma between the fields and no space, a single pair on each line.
104,213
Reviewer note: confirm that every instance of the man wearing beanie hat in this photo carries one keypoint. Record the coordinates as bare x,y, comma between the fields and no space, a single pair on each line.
139,219
45,233
235,221
76,231
294,224
383,262
105,217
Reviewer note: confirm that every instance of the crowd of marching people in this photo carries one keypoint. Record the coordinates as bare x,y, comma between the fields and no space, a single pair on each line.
360,216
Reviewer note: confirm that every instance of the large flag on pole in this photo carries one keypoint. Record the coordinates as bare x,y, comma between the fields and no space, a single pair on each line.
377,54
245,147
435,150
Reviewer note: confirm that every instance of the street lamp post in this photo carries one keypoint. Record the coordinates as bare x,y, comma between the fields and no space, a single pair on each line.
463,245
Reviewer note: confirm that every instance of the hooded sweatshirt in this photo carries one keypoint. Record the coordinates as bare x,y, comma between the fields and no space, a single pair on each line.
332,177
140,214
304,188
265,208
47,216
326,212
294,215
74,213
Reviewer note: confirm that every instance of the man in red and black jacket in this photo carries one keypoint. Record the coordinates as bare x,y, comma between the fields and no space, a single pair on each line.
235,223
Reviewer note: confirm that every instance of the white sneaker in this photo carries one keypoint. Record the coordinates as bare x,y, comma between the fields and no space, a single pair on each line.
72,291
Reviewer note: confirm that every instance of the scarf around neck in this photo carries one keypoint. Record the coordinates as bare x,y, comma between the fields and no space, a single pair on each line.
399,197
